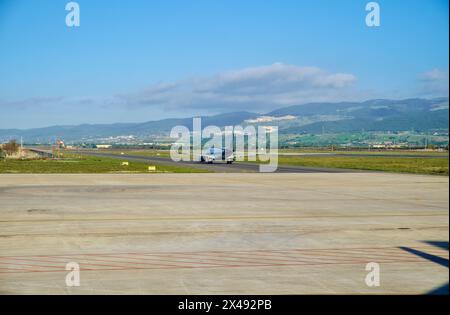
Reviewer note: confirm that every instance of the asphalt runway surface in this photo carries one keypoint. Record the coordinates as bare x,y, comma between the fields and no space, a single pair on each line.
303,233
218,166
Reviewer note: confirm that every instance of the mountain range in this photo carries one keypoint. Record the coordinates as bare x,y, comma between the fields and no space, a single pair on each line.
421,115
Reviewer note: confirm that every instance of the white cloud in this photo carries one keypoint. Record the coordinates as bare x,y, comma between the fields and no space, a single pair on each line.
433,75
254,89
434,82
31,102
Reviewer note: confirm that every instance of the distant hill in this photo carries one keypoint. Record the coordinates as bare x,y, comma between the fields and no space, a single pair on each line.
373,115
98,131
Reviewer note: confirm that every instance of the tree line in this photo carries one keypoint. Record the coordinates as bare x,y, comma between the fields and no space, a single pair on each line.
9,148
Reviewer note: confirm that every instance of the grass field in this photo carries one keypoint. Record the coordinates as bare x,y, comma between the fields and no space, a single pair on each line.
85,164
367,152
437,166
392,163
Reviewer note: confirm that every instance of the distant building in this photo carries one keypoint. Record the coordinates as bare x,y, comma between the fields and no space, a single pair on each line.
60,144
103,146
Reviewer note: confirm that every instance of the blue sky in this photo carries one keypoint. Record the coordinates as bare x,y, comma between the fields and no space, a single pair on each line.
132,61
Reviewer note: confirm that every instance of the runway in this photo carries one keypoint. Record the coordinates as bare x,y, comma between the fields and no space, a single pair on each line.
299,233
219,166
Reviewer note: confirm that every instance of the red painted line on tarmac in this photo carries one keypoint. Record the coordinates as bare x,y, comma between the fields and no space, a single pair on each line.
14,261
223,259
111,263
228,251
252,260
2,268
341,258
304,255
142,263
175,260
375,254
34,266
298,258
339,255
227,266
242,259
193,260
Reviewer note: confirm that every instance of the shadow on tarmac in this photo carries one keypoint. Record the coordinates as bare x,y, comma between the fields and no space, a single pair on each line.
444,289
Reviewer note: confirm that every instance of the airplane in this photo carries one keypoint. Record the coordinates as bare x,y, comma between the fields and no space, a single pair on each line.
212,154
